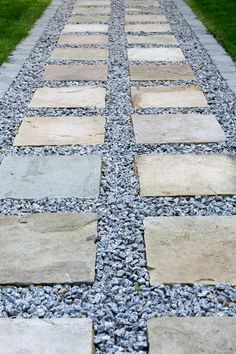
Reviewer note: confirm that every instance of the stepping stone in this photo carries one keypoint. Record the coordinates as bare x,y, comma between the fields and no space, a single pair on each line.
161,72
35,177
158,39
88,19
48,248
147,27
177,128
80,54
69,97
188,335
142,3
75,72
145,18
36,131
94,3
186,175
96,27
141,9
156,54
47,336
91,10
168,96
83,39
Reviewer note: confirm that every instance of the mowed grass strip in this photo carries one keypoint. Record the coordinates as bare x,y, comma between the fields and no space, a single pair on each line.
219,16
16,19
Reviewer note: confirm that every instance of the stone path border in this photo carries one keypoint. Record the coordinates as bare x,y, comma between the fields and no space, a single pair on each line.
10,69
217,53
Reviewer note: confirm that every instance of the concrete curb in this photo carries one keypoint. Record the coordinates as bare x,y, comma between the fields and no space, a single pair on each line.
218,55
10,69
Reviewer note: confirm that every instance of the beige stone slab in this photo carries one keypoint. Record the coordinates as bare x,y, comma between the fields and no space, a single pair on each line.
142,3
69,97
142,9
93,3
75,72
36,131
168,96
192,335
83,39
177,128
46,336
161,72
159,39
148,27
88,19
91,27
91,10
156,54
48,248
145,18
186,175
80,53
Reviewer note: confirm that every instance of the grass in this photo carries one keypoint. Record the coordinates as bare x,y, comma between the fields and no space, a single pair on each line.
16,19
219,16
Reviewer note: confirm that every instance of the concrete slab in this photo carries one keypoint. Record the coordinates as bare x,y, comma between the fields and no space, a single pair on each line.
75,72
91,10
158,39
88,19
91,27
145,18
146,27
156,54
83,39
80,54
161,72
144,10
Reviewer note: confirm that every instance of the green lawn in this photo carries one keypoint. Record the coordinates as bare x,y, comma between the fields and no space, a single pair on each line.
16,19
219,16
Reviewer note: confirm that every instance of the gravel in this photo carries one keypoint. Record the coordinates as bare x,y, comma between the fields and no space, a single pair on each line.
121,299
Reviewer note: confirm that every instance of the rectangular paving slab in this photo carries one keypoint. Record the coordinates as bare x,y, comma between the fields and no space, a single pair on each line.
192,335
83,39
168,96
156,54
186,175
46,336
48,248
80,54
146,27
88,19
91,27
161,72
75,72
143,9
159,39
177,128
91,10
145,18
69,97
34,177
93,3
40,131
200,249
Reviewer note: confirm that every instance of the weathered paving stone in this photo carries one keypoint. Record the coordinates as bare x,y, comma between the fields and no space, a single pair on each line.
93,27
83,39
80,54
91,10
47,336
94,3
156,54
146,27
161,72
142,3
75,72
158,39
186,175
88,19
36,131
177,128
145,18
48,248
164,96
188,335
69,97
35,177
141,9
200,249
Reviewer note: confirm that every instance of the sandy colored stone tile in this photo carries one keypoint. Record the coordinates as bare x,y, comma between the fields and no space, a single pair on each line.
69,97
177,128
40,131
50,336
192,335
93,3
159,39
156,54
88,19
161,72
75,72
144,10
186,175
56,176
145,18
142,3
83,39
48,248
80,54
91,27
148,27
91,10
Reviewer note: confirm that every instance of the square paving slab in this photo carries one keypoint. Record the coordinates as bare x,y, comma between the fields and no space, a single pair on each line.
91,10
161,72
88,19
177,128
38,131
46,336
145,18
80,54
192,335
167,96
156,54
159,39
186,175
200,249
34,177
94,27
83,39
146,27
48,248
69,97
75,72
